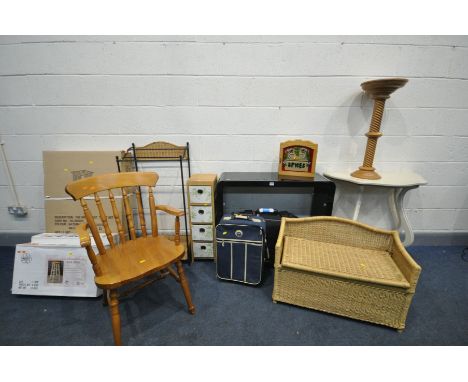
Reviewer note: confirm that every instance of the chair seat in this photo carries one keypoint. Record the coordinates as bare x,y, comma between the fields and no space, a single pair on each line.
342,260
135,259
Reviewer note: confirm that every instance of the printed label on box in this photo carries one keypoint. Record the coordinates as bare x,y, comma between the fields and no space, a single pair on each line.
63,216
66,272
31,285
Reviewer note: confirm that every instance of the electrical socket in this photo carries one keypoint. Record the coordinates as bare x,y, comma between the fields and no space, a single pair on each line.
18,211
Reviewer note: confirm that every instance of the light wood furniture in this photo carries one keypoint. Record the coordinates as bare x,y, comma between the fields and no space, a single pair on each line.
133,258
380,91
201,195
382,199
343,267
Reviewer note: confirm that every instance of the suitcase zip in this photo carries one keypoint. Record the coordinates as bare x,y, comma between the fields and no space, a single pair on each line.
232,260
245,262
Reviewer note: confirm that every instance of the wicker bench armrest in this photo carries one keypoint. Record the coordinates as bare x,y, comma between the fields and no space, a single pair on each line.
405,262
280,243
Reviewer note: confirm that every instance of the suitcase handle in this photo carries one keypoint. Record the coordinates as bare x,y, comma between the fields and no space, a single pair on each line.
241,216
266,211
251,218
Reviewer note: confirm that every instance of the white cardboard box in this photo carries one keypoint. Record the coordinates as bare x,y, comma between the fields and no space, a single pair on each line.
60,269
67,239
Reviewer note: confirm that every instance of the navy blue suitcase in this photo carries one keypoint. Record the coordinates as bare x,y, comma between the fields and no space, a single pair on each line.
240,248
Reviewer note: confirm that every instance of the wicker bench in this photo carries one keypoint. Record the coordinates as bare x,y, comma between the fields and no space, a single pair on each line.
344,267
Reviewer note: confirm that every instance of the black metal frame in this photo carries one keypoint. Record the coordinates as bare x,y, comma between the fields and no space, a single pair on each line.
180,159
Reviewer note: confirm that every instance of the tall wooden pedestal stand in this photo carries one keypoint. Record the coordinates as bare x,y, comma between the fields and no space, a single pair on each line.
379,90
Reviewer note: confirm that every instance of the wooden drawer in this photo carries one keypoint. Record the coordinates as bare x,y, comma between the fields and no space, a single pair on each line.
200,194
203,250
202,232
201,214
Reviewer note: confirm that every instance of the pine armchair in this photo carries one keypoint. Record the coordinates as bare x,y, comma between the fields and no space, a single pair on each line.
133,258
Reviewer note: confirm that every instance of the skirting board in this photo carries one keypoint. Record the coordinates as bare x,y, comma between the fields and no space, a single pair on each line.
8,239
440,238
420,238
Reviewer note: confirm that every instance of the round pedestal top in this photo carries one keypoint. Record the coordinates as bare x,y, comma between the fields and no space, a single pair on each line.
382,88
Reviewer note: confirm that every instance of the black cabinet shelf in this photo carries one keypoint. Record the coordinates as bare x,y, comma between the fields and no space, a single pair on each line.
237,191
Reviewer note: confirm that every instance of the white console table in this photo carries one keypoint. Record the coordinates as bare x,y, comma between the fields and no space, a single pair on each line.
383,199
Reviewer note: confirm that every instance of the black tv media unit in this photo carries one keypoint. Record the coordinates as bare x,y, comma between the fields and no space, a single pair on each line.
237,191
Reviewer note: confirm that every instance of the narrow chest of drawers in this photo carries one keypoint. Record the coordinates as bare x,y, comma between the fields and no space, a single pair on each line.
201,196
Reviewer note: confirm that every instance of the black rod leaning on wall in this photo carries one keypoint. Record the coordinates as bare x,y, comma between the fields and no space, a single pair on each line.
135,157
189,252
188,160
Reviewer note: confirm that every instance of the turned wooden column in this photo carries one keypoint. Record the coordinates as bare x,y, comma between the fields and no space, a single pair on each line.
380,91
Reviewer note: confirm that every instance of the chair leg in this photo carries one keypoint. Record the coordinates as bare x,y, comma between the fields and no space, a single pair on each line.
185,287
105,300
115,316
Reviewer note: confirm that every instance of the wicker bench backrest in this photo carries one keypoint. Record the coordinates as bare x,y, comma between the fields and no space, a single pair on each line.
339,231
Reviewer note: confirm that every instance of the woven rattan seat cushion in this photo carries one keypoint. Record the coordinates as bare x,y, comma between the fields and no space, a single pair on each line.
341,260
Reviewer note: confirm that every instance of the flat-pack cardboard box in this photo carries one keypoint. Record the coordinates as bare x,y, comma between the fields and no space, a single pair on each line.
62,213
63,216
62,167
68,239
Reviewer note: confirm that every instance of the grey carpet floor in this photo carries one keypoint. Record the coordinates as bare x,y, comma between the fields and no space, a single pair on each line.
235,314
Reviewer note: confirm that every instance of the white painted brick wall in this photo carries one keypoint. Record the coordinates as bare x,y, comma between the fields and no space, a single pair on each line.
234,98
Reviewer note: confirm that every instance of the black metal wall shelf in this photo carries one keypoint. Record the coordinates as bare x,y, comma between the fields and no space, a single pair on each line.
160,152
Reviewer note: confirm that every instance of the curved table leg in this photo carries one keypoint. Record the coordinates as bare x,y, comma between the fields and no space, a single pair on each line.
357,208
401,220
392,201
337,195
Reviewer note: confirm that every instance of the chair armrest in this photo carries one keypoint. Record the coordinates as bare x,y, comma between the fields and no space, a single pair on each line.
170,210
82,231
405,262
177,213
85,241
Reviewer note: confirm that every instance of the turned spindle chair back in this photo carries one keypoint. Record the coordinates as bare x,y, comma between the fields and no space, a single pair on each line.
127,183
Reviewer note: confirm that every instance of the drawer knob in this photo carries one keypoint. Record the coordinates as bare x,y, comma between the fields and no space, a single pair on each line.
200,191
203,247
201,212
202,230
